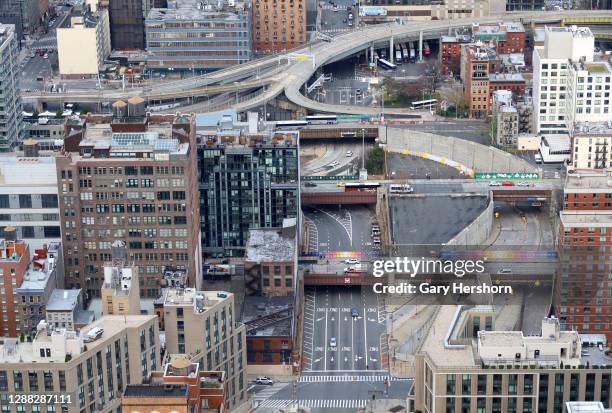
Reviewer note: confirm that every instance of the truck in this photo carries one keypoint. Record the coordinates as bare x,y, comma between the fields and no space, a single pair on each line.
398,54
405,54
221,269
412,53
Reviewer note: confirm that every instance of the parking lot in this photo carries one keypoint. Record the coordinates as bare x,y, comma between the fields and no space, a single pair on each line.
433,219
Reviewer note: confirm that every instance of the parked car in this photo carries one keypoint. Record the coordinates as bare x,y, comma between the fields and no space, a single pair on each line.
494,183
351,261
507,183
264,380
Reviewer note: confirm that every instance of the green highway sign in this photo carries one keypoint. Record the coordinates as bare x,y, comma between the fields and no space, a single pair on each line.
329,178
509,175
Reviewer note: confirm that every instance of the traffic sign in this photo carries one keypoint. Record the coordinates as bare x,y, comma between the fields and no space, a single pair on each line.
329,178
508,176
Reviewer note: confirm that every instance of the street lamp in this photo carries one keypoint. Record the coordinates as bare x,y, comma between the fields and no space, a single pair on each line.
363,148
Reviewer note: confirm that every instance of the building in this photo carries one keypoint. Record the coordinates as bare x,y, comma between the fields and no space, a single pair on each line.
11,129
121,288
46,273
477,64
146,398
90,369
506,126
219,36
134,179
450,54
519,5
504,370
278,26
514,82
28,196
586,407
588,92
555,148
583,296
45,130
85,44
64,309
127,22
25,15
507,37
408,10
591,146
270,329
203,325
14,261
551,76
247,181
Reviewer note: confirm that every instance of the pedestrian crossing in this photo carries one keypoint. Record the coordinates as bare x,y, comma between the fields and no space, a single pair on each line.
336,30
270,391
346,377
332,404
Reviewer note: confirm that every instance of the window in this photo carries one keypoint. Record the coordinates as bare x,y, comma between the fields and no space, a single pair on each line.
450,384
49,200
25,201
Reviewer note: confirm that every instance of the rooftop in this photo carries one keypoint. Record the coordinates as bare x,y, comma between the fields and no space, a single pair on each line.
268,316
576,31
500,27
586,407
200,300
574,219
63,300
238,138
587,181
158,140
556,142
269,245
593,128
41,270
506,77
195,10
148,390
600,67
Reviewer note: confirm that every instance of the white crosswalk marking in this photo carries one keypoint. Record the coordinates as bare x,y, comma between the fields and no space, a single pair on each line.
268,392
330,404
343,378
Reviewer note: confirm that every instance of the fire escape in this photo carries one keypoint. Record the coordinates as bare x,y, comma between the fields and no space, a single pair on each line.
601,155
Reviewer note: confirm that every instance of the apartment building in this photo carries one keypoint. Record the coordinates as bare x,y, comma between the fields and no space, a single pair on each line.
45,273
65,309
563,46
514,82
591,145
11,129
270,262
14,261
88,370
83,46
196,36
25,15
121,288
589,86
146,398
247,181
507,37
203,325
583,295
450,54
127,22
505,371
278,24
477,64
134,179
28,196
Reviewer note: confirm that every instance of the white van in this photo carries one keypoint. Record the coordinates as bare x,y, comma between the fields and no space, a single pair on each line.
538,158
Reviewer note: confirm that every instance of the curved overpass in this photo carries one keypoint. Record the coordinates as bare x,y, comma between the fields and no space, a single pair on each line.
322,53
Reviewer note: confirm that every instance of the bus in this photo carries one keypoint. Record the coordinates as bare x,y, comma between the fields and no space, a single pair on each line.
405,54
412,53
361,186
291,124
423,104
400,189
426,49
398,54
386,64
319,119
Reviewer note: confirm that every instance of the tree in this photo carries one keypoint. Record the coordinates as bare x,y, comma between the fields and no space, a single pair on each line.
59,113
457,98
376,161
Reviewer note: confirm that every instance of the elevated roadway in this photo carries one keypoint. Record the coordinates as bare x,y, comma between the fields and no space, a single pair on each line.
297,72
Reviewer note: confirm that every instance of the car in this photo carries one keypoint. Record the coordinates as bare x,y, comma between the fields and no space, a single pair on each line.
45,56
350,23
351,261
336,7
349,154
310,184
334,163
264,380
354,313
332,342
358,92
340,184
523,183
505,271
32,55
507,183
494,183
93,334
348,8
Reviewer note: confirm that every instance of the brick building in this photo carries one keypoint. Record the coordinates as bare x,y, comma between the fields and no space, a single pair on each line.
477,64
14,262
134,179
450,54
583,295
514,82
278,24
507,37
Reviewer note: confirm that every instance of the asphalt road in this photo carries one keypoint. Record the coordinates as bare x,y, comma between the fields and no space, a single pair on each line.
471,130
412,167
523,227
433,219
336,21
321,165
338,229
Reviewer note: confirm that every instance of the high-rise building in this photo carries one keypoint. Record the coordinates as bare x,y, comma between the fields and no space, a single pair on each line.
278,25
28,196
11,128
219,36
504,371
591,145
203,325
583,295
83,46
134,179
88,370
127,22
14,262
246,182
521,5
563,89
45,274
26,15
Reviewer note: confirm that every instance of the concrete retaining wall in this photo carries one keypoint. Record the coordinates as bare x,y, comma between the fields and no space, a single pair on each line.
473,156
478,231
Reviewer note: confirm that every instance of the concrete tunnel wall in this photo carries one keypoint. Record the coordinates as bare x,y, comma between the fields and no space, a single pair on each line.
479,230
475,156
